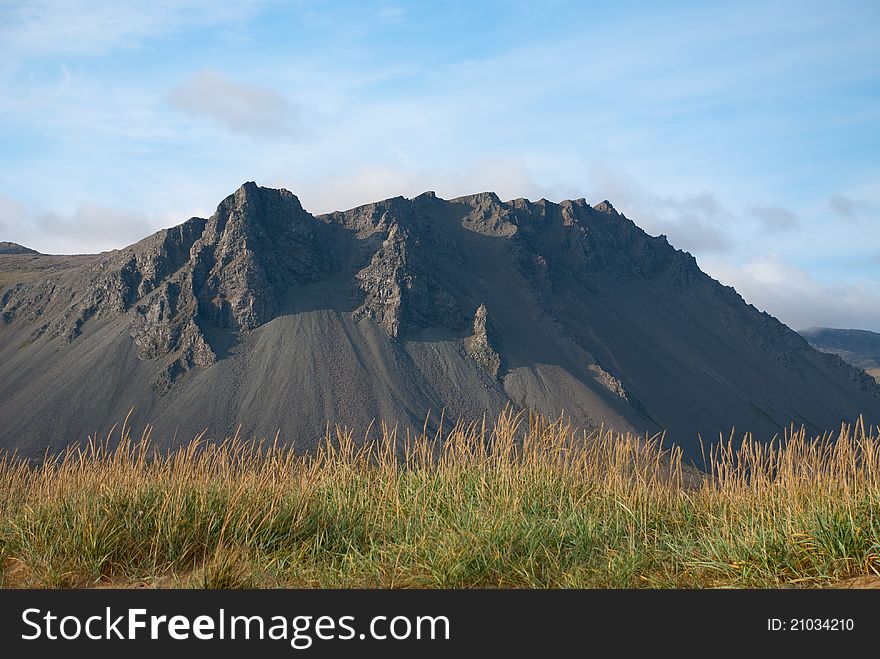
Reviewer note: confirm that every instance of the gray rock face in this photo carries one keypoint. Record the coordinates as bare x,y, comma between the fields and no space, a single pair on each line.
384,280
258,243
408,284
268,316
486,215
478,345
613,385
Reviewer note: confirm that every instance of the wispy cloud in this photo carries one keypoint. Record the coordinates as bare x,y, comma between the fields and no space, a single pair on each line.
32,28
697,222
797,298
775,218
844,206
392,14
240,107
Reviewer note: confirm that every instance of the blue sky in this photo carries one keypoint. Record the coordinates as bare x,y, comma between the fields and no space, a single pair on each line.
748,132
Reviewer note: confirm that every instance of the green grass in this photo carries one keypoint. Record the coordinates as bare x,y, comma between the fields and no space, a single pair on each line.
522,503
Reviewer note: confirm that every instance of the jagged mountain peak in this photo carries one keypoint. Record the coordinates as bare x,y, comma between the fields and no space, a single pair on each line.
255,210
605,206
480,198
251,193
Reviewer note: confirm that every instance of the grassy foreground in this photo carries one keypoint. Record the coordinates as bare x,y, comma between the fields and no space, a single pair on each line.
521,503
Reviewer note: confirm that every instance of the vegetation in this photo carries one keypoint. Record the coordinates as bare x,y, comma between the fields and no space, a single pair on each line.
524,502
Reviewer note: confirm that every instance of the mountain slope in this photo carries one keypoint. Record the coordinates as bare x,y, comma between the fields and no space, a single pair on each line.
860,348
14,248
266,316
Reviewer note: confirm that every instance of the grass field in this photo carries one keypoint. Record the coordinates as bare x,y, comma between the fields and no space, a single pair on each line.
518,503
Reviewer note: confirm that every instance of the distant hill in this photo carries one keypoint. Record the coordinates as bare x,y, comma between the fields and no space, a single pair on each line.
858,347
270,317
15,248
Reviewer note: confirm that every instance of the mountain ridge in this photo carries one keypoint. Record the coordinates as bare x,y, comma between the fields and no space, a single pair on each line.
397,308
861,348
7,247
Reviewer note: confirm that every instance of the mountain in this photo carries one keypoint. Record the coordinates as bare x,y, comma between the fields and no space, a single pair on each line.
860,348
266,316
15,248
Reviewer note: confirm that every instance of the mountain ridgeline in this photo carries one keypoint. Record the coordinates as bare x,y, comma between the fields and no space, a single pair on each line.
270,319
860,348
14,248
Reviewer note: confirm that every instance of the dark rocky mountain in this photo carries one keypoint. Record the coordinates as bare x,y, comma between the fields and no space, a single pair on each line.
860,348
14,248
270,318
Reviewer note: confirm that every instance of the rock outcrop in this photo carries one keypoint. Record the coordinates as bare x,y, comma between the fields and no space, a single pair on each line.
479,346
408,284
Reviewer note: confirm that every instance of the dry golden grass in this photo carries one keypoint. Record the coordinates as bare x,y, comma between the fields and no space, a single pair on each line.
521,502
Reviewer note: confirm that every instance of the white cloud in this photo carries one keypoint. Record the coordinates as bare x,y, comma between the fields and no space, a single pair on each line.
794,296
697,222
89,228
240,107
